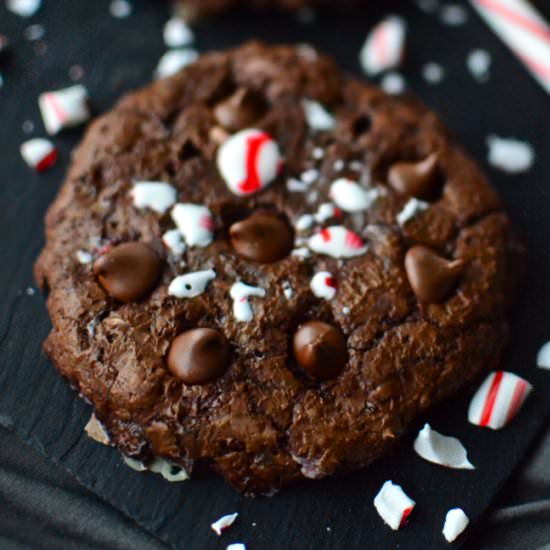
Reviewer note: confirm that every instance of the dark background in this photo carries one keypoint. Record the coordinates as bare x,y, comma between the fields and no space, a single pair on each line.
42,507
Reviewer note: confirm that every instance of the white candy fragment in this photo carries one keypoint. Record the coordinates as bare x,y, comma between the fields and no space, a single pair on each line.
248,161
323,285
168,470
224,523
317,117
173,241
325,212
236,546
543,357
433,73
310,176
453,15
384,46
351,197
195,223
240,292
173,61
393,505
479,63
287,290
96,431
120,9
176,33
338,242
157,196
134,464
510,155
498,400
191,284
393,83
296,186
412,208
39,153
455,523
64,108
440,449
304,222
84,257
24,8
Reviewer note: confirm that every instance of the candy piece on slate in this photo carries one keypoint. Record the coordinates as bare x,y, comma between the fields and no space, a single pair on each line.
191,284
325,212
510,155
393,505
304,222
223,523
351,197
338,242
24,8
262,238
176,33
128,271
236,546
96,431
393,83
412,208
433,73
239,110
317,117
64,108
173,241
455,523
543,357
84,257
320,349
240,292
441,449
120,9
168,470
498,400
198,356
156,195
384,46
248,161
431,276
195,223
175,60
479,64
323,285
415,179
134,464
39,153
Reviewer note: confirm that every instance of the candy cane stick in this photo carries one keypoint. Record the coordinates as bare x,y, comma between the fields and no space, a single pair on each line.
523,30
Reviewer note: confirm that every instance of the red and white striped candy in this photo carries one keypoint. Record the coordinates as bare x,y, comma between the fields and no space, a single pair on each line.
384,46
248,161
323,285
393,505
523,30
64,108
351,197
325,212
195,223
224,523
242,308
39,153
338,242
498,400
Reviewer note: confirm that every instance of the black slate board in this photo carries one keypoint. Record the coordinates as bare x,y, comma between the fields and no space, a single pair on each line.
118,55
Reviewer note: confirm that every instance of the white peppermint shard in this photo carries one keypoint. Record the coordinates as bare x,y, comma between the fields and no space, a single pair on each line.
351,197
173,241
236,546
176,33
455,523
323,285
543,357
168,470
156,195
24,8
510,155
393,505
64,108
224,523
195,223
338,242
317,117
240,292
38,153
175,60
325,212
440,449
191,284
412,208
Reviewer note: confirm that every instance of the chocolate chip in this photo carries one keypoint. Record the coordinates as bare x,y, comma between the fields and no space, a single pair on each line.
262,238
128,271
198,356
240,110
320,349
416,179
431,276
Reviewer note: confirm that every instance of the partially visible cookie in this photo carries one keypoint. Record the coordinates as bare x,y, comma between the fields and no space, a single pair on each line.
262,267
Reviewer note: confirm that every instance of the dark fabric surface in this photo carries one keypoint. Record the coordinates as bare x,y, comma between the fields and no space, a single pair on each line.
41,506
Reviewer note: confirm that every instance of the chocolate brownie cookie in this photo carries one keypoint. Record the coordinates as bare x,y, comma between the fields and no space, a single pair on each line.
262,267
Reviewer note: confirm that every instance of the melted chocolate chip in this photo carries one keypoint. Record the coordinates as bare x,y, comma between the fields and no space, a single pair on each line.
198,356
128,271
431,276
416,179
320,349
240,110
262,238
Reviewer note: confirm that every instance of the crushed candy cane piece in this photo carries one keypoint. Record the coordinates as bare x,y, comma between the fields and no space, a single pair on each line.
479,63
351,197
248,161
156,195
168,470
191,284
96,431
393,505
176,33
173,241
134,464
304,222
175,60
296,186
120,9
224,523
453,15
195,223
323,285
325,212
24,8
240,292
412,208
510,155
338,242
236,546
441,449
84,257
64,108
455,523
39,153
498,400
543,356
310,176
384,46
393,83
317,117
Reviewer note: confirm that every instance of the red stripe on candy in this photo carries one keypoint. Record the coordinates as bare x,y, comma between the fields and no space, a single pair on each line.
491,399
517,399
380,43
405,516
353,241
47,161
325,235
54,104
252,182
330,281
